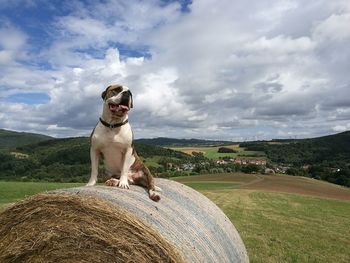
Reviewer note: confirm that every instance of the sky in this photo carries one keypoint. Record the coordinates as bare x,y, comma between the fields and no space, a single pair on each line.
208,69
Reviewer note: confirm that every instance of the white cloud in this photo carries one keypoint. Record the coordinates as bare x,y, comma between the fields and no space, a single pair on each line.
12,44
334,28
341,128
225,68
11,38
281,45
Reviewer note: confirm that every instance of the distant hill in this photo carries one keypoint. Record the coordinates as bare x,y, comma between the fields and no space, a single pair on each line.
171,142
76,151
326,158
66,160
332,148
12,139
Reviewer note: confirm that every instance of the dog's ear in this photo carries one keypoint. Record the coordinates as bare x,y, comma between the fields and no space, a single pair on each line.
132,102
103,95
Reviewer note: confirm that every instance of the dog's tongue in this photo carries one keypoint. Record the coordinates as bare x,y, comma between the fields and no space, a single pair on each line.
123,108
115,108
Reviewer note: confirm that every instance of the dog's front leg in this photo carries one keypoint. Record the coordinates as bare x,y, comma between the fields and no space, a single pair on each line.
94,156
125,169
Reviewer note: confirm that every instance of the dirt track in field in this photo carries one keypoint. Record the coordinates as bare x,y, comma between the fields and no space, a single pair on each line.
299,185
278,183
234,177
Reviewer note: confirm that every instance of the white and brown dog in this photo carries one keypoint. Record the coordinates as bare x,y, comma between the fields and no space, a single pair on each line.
112,139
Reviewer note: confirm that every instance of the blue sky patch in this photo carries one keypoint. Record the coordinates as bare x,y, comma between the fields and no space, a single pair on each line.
29,98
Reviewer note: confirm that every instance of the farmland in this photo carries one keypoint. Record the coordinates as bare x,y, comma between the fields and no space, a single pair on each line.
274,183
283,218
280,218
211,152
281,227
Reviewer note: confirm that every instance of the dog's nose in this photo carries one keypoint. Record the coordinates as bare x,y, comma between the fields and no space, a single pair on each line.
125,98
125,95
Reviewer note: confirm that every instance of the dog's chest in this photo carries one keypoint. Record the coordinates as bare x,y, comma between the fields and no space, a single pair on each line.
113,139
113,144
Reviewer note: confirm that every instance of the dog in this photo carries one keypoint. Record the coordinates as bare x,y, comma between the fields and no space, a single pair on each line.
112,139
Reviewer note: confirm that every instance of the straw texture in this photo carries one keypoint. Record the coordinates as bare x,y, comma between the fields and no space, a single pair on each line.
184,226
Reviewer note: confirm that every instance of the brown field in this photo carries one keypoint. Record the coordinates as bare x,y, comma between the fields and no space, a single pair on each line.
204,149
277,183
190,150
233,177
300,185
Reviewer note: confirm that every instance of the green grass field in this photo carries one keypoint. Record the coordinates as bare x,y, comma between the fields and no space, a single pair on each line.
13,191
281,227
275,227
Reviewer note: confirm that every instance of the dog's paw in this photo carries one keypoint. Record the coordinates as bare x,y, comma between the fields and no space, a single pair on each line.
154,196
123,184
112,182
158,189
91,183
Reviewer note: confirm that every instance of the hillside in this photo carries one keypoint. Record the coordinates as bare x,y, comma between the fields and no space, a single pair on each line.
12,139
332,149
171,142
67,160
76,150
326,158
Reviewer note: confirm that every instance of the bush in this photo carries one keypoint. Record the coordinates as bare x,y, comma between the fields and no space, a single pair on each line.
250,168
226,150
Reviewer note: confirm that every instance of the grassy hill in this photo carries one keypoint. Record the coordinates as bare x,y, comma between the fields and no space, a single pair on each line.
12,139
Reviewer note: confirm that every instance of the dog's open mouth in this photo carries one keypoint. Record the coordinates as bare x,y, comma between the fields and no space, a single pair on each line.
118,108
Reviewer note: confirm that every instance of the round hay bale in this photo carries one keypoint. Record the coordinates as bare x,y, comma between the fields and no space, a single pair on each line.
108,224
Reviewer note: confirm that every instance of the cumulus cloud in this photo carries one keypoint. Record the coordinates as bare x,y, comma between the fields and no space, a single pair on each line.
12,44
221,70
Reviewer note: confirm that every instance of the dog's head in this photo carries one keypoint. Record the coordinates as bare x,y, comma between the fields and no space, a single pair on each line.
118,98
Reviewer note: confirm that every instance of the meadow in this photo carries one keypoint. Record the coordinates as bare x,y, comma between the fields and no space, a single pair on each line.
11,192
277,221
280,218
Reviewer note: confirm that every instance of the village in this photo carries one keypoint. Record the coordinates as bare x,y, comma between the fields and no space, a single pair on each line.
241,161
227,164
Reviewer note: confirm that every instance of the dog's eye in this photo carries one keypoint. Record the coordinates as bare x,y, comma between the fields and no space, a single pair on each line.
117,90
